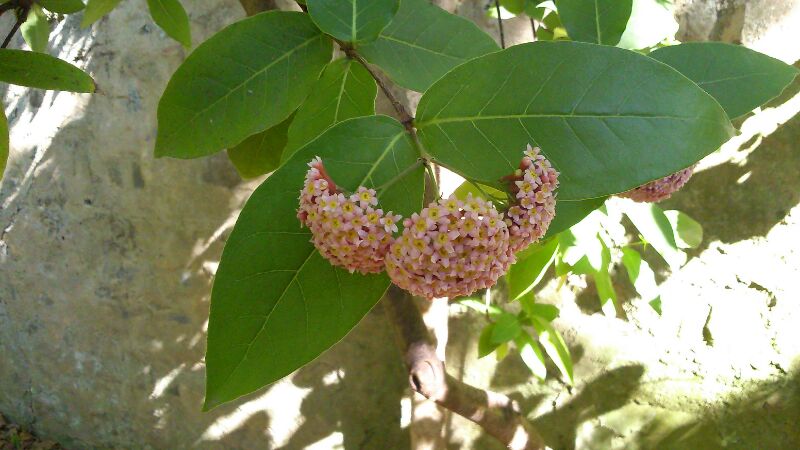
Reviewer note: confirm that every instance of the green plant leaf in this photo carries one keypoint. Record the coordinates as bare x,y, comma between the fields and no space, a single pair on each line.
352,20
62,6
606,129
656,305
655,227
641,275
739,78
687,231
172,18
248,77
345,90
481,307
424,42
531,355
260,153
36,29
276,303
506,328
96,9
568,213
42,71
651,22
555,347
596,21
485,344
4,142
541,310
530,268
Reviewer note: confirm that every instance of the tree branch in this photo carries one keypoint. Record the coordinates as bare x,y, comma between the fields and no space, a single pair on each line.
497,414
22,15
500,24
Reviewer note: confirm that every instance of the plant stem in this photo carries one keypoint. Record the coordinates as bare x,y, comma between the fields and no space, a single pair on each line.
500,24
21,17
401,175
533,29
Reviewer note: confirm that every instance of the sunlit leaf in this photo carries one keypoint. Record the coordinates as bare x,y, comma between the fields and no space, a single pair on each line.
481,307
596,21
655,227
739,78
651,22
687,231
96,9
4,143
531,355
62,6
424,42
352,20
260,153
506,328
345,90
248,77
568,213
172,18
482,191
276,303
40,70
641,275
656,305
554,346
541,310
530,268
485,344
606,130
36,29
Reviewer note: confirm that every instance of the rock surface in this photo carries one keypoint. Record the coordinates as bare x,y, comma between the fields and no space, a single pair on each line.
106,258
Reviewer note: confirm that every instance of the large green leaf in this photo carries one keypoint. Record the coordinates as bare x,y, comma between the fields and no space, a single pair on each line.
352,20
739,78
40,70
424,42
345,90
568,213
276,303
36,29
62,6
4,144
651,22
260,153
246,78
599,113
96,9
172,18
530,267
656,229
597,21
687,231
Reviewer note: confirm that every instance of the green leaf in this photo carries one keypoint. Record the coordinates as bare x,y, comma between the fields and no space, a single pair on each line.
352,20
739,78
555,347
42,71
651,22
485,344
656,305
568,213
62,6
655,227
598,113
4,142
506,328
423,43
276,303
172,18
531,355
485,192
530,268
248,77
513,6
481,307
345,90
36,29
596,21
260,153
541,310
687,231
96,9
641,275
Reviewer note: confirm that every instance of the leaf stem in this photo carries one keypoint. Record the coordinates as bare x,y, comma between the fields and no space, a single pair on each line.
500,24
401,175
22,15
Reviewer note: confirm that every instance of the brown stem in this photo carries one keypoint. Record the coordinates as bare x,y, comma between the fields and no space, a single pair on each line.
21,17
497,414
500,24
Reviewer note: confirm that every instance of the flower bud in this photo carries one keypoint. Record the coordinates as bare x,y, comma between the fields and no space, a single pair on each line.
661,189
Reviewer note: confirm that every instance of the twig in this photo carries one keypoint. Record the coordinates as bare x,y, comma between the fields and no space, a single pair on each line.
8,6
533,29
500,24
21,17
497,414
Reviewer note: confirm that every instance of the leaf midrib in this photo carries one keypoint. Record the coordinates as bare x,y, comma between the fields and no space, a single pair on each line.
437,121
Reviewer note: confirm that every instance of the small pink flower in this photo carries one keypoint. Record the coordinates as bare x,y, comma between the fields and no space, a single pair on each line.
661,189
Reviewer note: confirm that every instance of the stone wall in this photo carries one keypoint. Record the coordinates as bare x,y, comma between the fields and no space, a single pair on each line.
107,256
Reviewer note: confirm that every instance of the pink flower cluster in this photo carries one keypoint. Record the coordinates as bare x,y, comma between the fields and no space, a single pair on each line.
661,189
348,231
450,249
533,187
